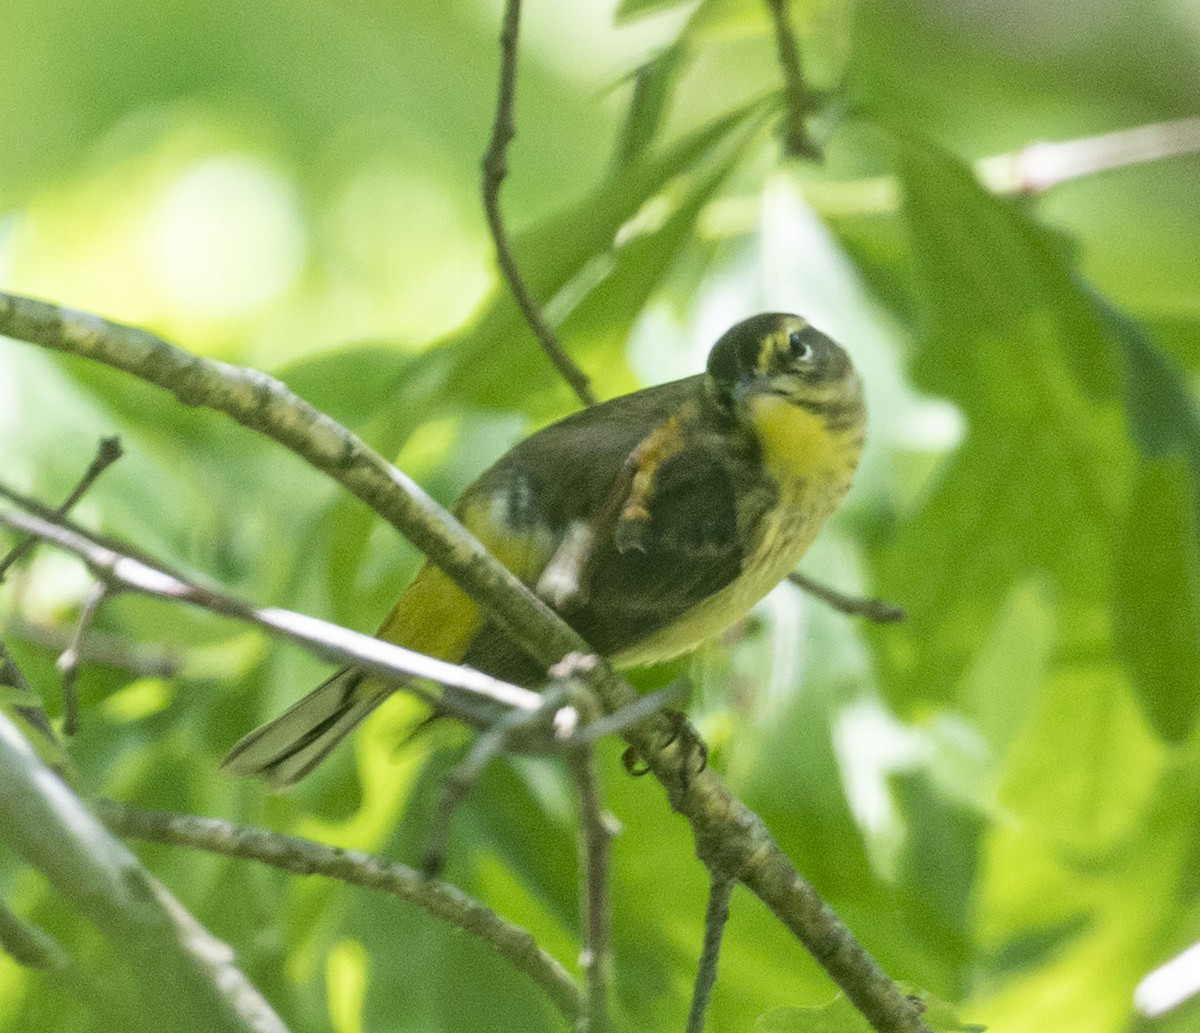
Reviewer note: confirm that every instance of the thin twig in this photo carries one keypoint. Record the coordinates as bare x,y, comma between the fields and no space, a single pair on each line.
108,452
1037,167
721,823
715,917
306,857
596,829
619,720
189,978
142,659
1030,170
876,610
495,168
68,662
28,945
800,104
493,742
328,641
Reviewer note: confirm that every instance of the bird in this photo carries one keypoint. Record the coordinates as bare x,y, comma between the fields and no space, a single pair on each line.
650,523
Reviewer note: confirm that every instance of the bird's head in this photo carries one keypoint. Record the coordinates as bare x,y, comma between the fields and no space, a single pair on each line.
793,386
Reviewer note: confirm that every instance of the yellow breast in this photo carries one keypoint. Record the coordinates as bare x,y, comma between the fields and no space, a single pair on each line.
812,468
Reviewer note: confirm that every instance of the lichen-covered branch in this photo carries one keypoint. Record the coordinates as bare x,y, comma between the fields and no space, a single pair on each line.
728,834
305,857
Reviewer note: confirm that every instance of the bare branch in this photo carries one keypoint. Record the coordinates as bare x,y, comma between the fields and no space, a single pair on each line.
800,104
596,830
262,403
305,857
715,917
143,659
722,825
1030,170
328,641
873,609
500,737
1039,166
108,452
495,169
190,979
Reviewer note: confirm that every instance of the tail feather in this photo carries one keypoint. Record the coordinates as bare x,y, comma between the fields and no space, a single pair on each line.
286,749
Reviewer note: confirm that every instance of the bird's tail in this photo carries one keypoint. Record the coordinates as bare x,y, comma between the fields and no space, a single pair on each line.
286,749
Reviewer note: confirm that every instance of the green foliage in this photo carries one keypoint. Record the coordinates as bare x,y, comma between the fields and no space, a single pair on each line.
998,795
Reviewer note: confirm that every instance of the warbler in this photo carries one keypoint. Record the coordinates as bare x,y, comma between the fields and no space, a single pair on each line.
649,522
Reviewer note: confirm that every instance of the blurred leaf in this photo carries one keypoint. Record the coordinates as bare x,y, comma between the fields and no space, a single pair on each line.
936,873
1085,768
629,10
652,85
999,690
1156,604
1012,339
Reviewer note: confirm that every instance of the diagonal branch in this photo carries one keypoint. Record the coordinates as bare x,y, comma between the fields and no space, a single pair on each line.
306,857
328,641
190,980
30,946
495,169
728,834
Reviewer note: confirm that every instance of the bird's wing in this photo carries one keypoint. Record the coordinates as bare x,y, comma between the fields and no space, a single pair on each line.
641,515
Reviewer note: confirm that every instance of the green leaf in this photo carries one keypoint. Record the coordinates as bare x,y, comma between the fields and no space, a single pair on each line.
652,84
1009,336
1156,596
1084,769
630,10
937,873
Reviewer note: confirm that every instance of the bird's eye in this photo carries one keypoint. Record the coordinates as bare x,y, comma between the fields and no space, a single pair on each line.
801,349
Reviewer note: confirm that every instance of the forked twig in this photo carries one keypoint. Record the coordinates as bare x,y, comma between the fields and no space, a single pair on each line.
108,452
306,857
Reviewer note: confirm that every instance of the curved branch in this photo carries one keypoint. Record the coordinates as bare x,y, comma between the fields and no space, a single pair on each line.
728,834
305,857
495,169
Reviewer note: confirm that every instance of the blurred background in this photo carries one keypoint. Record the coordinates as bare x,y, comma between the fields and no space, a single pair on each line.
999,794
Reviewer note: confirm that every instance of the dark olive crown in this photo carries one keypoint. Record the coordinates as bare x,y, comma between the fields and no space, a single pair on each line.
774,343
